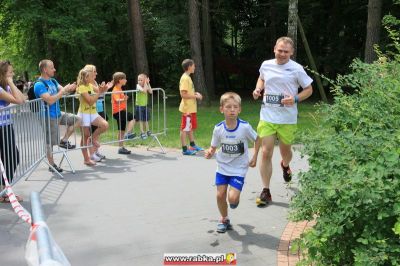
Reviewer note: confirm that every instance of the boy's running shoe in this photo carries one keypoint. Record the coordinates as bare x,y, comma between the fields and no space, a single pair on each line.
122,150
224,225
148,133
287,173
195,148
189,152
265,198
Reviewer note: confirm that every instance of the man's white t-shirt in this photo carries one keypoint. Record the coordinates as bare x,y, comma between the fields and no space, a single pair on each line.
279,81
233,156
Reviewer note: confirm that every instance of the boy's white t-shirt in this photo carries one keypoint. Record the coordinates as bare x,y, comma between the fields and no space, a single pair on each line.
279,81
232,156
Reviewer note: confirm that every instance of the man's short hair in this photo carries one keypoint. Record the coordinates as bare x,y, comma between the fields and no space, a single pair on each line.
43,64
230,95
118,76
285,39
187,63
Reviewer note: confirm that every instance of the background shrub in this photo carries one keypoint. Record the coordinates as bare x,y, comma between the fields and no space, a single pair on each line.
352,188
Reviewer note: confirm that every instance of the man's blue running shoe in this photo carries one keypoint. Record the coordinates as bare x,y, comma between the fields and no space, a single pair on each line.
189,152
195,148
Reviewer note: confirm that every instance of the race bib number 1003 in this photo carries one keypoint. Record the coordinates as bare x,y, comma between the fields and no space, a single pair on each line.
233,150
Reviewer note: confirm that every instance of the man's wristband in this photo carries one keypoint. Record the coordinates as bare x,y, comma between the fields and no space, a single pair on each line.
296,99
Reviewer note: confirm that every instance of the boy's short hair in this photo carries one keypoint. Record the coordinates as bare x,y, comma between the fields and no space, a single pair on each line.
144,75
230,95
187,63
118,76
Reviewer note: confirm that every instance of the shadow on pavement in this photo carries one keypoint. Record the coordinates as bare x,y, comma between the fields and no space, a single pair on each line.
251,238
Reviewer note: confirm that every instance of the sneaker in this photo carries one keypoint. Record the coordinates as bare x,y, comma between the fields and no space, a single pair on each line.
222,226
148,133
287,173
122,150
58,169
189,152
130,135
143,136
265,197
66,145
195,148
100,155
95,158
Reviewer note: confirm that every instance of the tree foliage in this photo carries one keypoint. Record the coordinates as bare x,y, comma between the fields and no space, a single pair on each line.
74,33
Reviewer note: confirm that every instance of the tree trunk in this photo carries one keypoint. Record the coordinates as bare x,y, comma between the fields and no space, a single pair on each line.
142,65
312,62
373,29
195,47
292,24
272,27
208,58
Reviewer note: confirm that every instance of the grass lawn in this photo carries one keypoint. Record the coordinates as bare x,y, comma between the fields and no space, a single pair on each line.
209,116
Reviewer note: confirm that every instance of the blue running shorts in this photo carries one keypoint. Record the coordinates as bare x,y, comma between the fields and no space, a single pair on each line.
234,181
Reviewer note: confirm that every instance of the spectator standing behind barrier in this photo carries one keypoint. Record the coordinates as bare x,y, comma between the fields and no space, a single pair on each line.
188,108
100,110
120,113
278,83
51,94
9,153
88,114
232,135
142,111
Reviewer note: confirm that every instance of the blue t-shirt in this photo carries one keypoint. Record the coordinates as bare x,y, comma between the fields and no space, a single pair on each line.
40,89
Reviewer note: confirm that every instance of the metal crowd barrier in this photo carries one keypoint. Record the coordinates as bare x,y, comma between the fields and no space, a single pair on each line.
23,131
157,121
22,141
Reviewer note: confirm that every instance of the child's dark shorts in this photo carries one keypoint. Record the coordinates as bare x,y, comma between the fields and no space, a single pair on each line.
122,117
142,113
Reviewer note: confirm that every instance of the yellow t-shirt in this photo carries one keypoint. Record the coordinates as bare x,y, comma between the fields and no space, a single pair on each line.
84,107
187,105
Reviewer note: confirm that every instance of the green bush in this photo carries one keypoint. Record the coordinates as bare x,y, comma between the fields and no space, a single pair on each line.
352,188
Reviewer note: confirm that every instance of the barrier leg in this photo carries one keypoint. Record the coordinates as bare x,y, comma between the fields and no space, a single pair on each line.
68,160
159,144
54,170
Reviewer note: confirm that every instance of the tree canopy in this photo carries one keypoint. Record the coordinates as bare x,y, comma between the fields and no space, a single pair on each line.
73,33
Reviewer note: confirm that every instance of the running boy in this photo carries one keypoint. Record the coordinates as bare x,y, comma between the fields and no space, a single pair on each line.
188,108
120,114
142,112
232,136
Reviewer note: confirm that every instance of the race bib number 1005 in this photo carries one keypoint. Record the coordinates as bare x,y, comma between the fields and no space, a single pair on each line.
273,100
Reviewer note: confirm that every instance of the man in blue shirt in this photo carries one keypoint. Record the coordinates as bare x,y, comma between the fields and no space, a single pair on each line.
51,91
